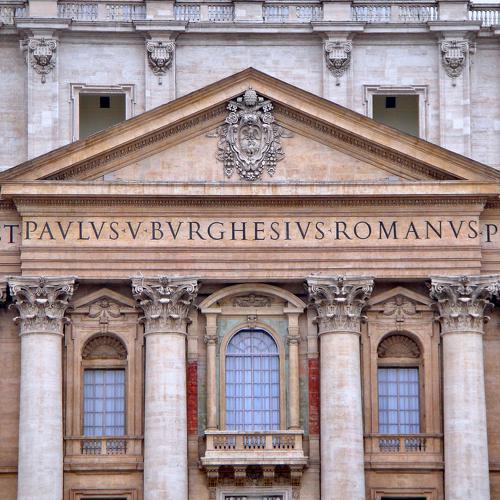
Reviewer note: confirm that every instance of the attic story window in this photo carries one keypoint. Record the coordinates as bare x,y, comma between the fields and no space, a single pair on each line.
104,102
390,102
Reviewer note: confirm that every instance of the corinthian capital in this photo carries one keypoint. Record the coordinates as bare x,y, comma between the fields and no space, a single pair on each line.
41,302
463,303
339,302
165,301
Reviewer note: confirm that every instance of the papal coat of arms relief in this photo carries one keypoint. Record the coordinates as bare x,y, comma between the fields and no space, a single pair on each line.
250,140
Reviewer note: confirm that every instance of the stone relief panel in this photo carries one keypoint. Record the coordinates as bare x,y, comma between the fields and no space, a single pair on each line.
338,57
41,55
160,57
454,53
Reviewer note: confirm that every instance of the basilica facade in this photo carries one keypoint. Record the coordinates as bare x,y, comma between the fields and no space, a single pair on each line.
227,283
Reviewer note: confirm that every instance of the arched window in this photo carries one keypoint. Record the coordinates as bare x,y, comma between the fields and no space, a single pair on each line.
104,361
252,382
399,363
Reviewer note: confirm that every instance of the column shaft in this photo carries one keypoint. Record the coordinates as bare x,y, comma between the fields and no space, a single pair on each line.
165,420
166,303
339,303
293,384
41,303
462,304
342,453
466,441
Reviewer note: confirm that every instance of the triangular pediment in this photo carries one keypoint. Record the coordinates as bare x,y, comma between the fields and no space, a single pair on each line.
400,296
322,142
104,298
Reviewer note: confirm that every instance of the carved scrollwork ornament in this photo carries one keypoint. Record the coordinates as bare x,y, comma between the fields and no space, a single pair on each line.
166,302
41,55
338,57
160,56
463,303
339,302
250,140
41,302
453,56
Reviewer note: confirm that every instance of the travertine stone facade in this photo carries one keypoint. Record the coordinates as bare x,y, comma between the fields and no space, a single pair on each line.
243,381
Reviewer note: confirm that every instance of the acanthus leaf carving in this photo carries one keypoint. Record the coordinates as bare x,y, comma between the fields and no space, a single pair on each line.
250,140
463,303
339,302
338,57
41,55
41,302
160,56
165,301
454,53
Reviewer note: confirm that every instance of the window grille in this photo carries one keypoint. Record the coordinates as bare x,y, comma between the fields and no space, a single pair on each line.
398,401
104,403
252,382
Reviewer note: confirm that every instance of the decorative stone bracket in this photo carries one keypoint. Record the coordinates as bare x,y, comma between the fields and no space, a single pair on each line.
338,57
453,57
41,55
160,56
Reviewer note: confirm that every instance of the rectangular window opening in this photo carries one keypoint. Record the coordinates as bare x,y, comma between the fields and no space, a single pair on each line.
398,401
400,112
104,402
98,112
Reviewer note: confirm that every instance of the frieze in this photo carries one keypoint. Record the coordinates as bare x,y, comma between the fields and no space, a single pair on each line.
252,300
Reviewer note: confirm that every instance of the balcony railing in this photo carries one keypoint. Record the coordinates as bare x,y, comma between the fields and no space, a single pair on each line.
425,445
274,447
103,446
394,13
220,13
9,12
488,15
97,11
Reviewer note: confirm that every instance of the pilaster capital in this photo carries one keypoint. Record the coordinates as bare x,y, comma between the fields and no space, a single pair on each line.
339,302
3,291
463,303
41,302
166,302
210,339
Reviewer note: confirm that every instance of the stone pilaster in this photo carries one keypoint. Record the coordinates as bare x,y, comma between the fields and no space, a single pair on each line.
293,371
463,304
211,341
166,303
42,303
339,303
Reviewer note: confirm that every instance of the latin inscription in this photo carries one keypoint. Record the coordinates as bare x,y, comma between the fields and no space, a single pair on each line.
179,231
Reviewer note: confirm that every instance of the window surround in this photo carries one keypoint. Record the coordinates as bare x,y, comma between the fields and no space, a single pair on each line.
222,493
81,88
403,362
422,91
427,493
222,367
91,493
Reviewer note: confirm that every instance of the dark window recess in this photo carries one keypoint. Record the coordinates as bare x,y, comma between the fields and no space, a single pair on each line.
104,102
390,102
404,498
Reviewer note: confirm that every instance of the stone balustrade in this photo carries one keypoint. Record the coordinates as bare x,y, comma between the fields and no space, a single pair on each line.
97,11
230,447
9,12
395,13
489,15
404,443
220,13
103,446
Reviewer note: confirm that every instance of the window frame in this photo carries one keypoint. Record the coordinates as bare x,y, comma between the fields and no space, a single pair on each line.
222,373
76,89
402,363
97,364
422,91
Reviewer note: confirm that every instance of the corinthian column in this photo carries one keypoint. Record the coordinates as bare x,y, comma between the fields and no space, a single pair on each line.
166,303
339,303
41,303
463,304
